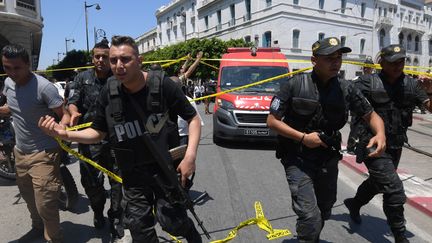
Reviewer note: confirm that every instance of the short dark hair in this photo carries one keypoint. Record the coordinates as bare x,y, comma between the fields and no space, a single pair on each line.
118,40
16,51
101,45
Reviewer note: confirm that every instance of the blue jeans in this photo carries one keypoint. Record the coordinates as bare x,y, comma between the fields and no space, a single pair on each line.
313,186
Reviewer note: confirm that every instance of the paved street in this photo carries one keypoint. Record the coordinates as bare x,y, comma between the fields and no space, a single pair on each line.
237,175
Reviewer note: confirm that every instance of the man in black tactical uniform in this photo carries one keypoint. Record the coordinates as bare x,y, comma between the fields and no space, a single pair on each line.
393,96
83,94
139,168
352,137
307,113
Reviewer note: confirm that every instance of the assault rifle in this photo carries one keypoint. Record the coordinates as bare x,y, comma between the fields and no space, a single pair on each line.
174,191
332,141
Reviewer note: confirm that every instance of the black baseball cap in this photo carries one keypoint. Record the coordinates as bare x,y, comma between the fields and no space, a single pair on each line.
393,53
328,46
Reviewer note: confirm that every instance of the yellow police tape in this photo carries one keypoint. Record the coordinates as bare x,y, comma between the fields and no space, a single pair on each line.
212,66
261,221
91,162
254,84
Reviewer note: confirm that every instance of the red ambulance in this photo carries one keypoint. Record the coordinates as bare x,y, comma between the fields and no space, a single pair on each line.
242,114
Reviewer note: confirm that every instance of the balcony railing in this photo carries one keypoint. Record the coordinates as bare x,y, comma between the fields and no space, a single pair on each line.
247,17
232,22
413,26
385,21
25,5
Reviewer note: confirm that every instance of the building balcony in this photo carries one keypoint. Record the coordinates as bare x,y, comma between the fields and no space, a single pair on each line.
393,2
419,28
207,3
385,21
427,10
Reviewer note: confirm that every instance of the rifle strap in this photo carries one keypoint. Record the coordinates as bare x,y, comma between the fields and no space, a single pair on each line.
165,166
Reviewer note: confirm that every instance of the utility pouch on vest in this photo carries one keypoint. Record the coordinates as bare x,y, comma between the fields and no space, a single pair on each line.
124,156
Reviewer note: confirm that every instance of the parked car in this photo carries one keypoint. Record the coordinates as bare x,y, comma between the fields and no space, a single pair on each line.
60,87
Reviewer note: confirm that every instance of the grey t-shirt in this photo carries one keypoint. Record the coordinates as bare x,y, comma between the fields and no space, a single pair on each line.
28,103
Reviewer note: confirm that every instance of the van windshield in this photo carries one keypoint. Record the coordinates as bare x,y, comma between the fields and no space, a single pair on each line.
232,77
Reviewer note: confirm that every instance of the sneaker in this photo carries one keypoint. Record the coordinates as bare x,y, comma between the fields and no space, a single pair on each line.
98,220
32,235
354,210
401,238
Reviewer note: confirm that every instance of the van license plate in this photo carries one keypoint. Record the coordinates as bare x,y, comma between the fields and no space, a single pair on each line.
256,132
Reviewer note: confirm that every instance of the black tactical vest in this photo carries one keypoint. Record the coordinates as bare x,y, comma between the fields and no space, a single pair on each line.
396,111
308,114
167,137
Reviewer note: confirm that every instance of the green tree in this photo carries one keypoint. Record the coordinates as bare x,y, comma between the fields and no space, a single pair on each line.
72,60
213,48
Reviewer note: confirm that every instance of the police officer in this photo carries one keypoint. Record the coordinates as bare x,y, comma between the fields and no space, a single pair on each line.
307,114
352,137
142,193
393,96
84,91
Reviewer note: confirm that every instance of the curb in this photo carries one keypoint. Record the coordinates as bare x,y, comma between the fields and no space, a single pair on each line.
420,118
422,200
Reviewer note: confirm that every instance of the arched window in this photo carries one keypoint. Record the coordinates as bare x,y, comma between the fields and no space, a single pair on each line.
343,40
401,39
362,45
296,38
415,63
430,47
343,6
267,39
408,61
321,4
382,36
409,42
417,44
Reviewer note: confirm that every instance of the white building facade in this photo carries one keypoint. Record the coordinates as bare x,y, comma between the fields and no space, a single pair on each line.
294,25
21,23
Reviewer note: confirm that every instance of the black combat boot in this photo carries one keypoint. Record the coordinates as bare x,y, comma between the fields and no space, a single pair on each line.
193,236
32,235
98,220
354,210
401,238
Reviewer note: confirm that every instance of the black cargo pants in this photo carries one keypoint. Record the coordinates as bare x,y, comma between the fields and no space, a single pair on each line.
93,182
313,186
383,178
145,202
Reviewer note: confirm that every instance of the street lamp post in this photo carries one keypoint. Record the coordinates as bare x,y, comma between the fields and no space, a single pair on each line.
99,33
66,42
58,56
86,19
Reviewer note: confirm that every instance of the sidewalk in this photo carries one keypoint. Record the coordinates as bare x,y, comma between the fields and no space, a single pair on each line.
423,117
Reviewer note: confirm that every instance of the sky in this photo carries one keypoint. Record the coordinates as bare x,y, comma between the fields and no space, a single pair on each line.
66,19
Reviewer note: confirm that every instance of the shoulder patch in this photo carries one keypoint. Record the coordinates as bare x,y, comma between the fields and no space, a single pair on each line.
275,103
